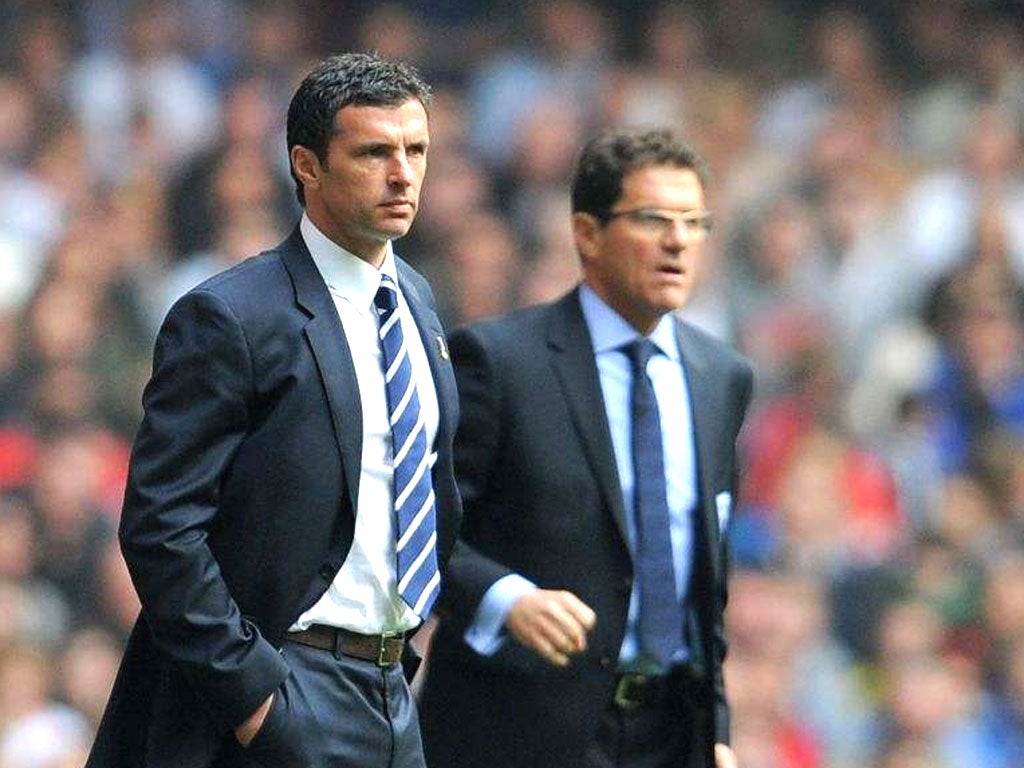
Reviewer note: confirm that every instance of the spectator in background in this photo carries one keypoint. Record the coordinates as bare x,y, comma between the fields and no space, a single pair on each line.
44,55
86,671
554,267
769,731
34,609
1000,64
851,76
1004,605
36,731
41,193
936,63
569,47
671,74
148,104
246,170
482,269
74,530
943,209
977,389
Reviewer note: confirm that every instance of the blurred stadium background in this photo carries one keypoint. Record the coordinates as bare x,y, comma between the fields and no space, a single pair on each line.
868,256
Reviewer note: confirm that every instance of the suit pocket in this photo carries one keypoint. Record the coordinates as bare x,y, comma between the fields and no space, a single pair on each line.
271,723
276,744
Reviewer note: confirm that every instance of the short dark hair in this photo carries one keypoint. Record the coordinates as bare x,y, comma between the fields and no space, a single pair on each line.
613,154
362,79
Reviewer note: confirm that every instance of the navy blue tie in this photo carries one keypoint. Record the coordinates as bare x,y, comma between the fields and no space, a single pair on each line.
416,536
661,615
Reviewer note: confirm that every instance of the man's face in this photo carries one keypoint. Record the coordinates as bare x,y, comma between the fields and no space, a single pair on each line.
643,260
367,190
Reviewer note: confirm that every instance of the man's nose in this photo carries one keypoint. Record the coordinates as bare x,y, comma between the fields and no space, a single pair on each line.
677,236
401,170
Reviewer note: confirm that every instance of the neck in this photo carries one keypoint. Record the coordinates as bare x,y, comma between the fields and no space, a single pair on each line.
370,251
641,322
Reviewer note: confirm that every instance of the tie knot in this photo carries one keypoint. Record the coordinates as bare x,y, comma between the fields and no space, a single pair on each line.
639,351
386,298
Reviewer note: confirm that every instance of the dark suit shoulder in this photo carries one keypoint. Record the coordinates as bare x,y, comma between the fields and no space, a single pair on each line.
519,327
714,348
243,280
257,292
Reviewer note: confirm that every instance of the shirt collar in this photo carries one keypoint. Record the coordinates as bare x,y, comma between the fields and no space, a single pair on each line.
346,275
609,331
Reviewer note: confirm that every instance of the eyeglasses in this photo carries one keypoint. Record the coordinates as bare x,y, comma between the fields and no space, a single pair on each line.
659,221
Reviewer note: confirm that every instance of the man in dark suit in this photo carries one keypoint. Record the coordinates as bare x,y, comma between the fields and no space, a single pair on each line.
290,501
596,459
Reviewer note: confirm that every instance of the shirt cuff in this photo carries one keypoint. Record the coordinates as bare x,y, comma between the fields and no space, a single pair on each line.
486,635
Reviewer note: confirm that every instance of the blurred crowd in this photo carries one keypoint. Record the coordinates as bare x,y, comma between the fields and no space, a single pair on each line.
868,256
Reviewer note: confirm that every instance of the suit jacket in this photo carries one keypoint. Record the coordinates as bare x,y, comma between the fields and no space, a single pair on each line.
241,494
536,469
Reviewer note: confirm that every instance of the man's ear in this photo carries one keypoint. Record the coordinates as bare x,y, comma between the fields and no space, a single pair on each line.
586,231
306,166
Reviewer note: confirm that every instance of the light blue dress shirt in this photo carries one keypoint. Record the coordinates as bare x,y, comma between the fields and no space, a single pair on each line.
609,333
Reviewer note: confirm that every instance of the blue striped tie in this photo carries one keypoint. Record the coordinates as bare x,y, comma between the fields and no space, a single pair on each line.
661,615
418,577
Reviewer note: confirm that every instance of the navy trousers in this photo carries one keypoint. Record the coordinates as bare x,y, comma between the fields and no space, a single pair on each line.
335,711
666,736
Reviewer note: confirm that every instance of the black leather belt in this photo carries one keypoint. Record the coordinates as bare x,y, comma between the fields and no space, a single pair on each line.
382,650
634,691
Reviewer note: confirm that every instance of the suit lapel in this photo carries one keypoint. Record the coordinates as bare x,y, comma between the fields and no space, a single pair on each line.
327,339
572,355
707,404
434,345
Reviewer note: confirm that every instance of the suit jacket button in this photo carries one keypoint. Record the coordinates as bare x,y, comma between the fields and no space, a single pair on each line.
326,572
606,662
627,585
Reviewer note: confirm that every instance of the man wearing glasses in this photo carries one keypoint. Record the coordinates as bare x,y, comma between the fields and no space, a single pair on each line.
596,459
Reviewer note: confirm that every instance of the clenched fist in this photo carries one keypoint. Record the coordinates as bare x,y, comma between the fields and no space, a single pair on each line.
553,623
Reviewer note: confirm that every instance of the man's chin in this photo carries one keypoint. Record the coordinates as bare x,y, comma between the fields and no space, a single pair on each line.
393,230
670,301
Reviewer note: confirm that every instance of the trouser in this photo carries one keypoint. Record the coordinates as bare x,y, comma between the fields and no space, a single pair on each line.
335,711
666,731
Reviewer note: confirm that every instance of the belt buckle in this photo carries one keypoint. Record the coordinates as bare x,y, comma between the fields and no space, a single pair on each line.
384,656
626,689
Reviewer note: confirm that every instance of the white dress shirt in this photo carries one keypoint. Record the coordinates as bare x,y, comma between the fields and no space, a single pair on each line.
364,594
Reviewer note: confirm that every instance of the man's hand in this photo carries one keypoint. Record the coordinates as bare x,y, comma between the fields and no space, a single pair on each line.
725,757
247,731
552,623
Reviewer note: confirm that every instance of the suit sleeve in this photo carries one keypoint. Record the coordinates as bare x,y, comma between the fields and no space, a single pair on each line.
196,414
477,442
745,385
